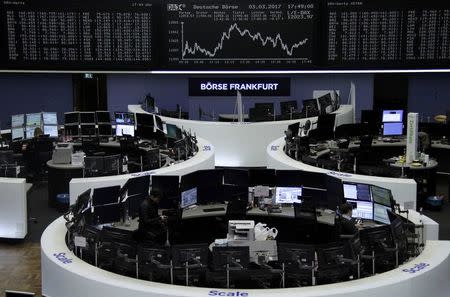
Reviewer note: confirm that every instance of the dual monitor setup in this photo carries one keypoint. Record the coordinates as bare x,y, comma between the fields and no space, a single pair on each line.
391,122
369,202
24,125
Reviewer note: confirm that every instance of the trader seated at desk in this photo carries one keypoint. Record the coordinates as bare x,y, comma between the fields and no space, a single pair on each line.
348,225
152,226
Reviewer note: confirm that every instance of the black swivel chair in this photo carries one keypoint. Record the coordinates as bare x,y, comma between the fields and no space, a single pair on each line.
306,220
236,210
38,152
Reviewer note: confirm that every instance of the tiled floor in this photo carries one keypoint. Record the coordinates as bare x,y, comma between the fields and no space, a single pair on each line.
20,267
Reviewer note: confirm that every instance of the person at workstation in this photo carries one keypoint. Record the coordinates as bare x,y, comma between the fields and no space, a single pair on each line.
152,226
348,225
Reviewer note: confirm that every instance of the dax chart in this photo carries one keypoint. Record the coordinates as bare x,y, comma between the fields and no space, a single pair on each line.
241,34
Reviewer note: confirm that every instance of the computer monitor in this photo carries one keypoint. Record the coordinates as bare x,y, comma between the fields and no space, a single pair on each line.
145,132
288,195
159,123
82,202
34,119
392,129
295,255
310,108
71,118
145,119
237,177
88,130
325,103
71,130
17,133
9,293
173,132
392,116
122,130
50,118
380,213
354,191
104,130
288,106
51,130
233,256
381,195
124,118
17,120
265,107
103,117
190,253
105,195
108,213
335,195
262,177
169,187
87,118
188,197
362,209
288,178
209,187
294,128
29,132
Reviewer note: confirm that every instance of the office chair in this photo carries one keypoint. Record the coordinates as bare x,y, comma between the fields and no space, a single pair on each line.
126,260
306,225
236,210
38,152
154,263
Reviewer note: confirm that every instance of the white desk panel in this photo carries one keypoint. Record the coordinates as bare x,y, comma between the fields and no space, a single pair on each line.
13,207
63,274
243,144
203,159
404,190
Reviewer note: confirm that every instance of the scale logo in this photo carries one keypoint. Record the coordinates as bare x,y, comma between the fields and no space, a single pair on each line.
62,258
223,293
416,268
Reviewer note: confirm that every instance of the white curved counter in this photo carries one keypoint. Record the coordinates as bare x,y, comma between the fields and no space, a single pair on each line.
203,159
404,190
63,274
243,144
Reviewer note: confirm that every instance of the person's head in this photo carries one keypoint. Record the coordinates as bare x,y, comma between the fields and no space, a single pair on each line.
155,195
38,132
346,209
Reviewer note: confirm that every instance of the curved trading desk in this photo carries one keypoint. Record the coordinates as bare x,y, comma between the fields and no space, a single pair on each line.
403,190
243,144
64,274
203,159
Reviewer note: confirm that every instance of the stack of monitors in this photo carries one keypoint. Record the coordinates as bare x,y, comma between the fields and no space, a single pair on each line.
369,202
104,123
392,122
124,123
71,124
50,121
87,124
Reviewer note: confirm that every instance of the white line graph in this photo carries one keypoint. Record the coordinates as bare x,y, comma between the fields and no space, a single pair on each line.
187,49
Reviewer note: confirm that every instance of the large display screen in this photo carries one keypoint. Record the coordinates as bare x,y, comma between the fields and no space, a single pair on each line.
288,195
77,34
249,34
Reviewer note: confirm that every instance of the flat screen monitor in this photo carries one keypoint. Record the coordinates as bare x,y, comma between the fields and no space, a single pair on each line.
288,195
169,187
71,130
209,187
50,118
122,130
188,197
88,130
325,103
173,131
288,178
188,181
17,133
33,119
362,209
87,117
381,195
267,108
159,123
145,132
104,130
380,213
145,119
106,195
288,106
29,132
359,192
392,129
103,117
124,118
109,213
237,177
72,118
310,108
392,116
17,120
51,130
295,128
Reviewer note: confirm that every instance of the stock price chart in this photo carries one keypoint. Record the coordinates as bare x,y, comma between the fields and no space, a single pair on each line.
247,35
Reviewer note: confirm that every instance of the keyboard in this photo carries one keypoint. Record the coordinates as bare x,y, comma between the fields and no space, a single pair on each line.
213,209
